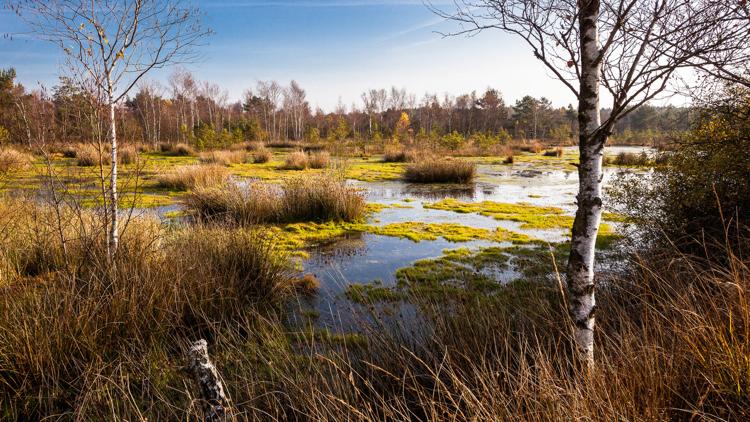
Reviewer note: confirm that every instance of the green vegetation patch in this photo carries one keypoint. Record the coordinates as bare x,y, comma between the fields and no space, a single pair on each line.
419,231
532,216
373,292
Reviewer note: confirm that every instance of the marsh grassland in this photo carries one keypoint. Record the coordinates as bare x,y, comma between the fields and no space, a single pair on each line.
344,288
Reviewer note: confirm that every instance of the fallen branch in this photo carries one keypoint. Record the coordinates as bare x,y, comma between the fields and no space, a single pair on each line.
215,402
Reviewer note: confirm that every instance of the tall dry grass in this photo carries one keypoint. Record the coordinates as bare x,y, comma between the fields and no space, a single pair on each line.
318,198
77,328
262,155
193,176
319,159
12,160
296,160
437,170
179,149
224,158
88,341
399,155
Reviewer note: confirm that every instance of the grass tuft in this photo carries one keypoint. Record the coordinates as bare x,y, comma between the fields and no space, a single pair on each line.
223,158
297,160
12,160
436,170
396,155
318,199
319,160
193,176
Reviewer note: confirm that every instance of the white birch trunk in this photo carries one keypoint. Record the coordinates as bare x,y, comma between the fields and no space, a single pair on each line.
113,228
588,215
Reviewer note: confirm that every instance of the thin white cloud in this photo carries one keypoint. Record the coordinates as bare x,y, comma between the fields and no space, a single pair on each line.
424,25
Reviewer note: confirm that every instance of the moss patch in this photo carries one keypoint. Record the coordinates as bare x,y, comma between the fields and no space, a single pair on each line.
532,216
419,231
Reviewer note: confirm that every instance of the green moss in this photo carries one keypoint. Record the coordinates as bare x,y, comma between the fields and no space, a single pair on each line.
373,292
532,217
419,231
326,337
457,273
374,170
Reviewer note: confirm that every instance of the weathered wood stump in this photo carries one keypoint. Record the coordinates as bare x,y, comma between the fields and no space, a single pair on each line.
215,402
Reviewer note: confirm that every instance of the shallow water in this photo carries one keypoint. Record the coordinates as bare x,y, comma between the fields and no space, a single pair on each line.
362,258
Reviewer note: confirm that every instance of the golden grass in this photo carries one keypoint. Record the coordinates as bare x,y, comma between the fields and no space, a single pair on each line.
127,154
557,152
180,149
12,160
316,198
224,158
319,160
89,155
436,170
399,155
261,156
297,160
94,341
194,176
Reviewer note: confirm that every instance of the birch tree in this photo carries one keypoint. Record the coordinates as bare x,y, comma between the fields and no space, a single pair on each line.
630,48
111,45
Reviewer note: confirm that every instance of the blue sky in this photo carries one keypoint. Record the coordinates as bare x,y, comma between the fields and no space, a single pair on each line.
333,48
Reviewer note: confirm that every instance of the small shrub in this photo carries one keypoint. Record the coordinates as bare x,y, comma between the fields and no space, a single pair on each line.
195,176
261,156
296,161
319,160
223,157
440,171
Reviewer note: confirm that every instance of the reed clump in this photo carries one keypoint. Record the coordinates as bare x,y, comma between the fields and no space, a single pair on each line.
12,160
223,158
436,170
178,150
399,155
297,160
319,159
193,176
319,198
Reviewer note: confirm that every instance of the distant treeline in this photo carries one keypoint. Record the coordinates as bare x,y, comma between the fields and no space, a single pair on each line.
199,113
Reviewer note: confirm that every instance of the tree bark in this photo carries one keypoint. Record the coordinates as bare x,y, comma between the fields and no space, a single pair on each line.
215,402
113,207
588,216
